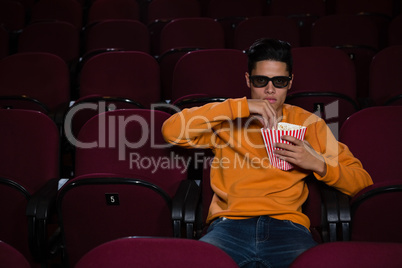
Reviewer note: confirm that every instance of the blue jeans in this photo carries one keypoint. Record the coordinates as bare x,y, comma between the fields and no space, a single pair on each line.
261,241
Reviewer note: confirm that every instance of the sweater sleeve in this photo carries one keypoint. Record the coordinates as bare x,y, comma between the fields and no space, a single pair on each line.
344,171
195,127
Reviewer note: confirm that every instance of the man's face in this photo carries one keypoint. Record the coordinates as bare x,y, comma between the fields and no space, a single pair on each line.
275,95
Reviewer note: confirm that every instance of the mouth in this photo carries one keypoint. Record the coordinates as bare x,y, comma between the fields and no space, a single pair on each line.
271,100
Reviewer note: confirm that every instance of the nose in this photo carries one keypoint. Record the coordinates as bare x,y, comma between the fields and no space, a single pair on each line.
270,89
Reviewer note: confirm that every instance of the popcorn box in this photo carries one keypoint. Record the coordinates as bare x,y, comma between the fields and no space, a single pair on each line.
272,136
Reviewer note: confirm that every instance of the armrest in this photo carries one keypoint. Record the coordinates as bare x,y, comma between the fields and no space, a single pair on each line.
345,216
39,209
330,215
187,189
193,212
336,213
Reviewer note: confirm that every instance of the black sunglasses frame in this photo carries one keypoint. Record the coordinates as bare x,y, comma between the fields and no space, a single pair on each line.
287,78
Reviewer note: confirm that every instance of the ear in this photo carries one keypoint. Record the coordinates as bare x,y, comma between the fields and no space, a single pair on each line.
247,76
290,83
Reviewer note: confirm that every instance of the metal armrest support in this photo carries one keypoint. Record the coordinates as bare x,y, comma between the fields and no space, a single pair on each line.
345,217
336,214
330,216
184,195
39,210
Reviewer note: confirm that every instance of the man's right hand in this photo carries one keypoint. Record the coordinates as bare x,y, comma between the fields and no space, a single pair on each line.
264,112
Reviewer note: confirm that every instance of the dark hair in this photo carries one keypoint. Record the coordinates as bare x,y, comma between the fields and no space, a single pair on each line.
270,49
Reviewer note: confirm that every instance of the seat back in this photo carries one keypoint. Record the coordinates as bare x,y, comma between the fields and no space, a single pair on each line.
381,205
192,33
324,82
279,27
97,208
140,252
385,87
56,37
172,9
4,42
129,142
381,8
128,74
220,9
29,145
30,140
214,72
181,36
126,179
371,134
351,254
12,15
123,34
374,145
10,257
394,33
38,75
116,9
161,12
230,13
61,10
303,13
358,36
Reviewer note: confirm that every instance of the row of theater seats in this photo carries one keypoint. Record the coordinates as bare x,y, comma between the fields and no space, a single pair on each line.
322,75
83,12
76,31
330,30
139,252
129,182
356,35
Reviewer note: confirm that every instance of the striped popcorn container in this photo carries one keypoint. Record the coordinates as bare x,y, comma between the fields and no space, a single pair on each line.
271,137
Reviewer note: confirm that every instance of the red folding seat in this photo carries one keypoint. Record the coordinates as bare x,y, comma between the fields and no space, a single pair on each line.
376,7
12,15
28,4
213,73
37,78
124,34
350,255
179,37
113,9
230,13
126,74
141,252
161,12
63,10
394,31
372,135
129,182
57,37
304,13
324,83
385,87
220,9
10,257
172,9
29,165
4,42
356,35
278,27
196,32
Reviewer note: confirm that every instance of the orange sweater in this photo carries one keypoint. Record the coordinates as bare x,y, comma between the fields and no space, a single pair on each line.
244,182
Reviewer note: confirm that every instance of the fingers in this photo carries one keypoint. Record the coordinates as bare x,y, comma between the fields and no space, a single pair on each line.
265,110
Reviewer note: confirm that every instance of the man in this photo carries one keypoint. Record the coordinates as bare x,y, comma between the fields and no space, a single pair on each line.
255,213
